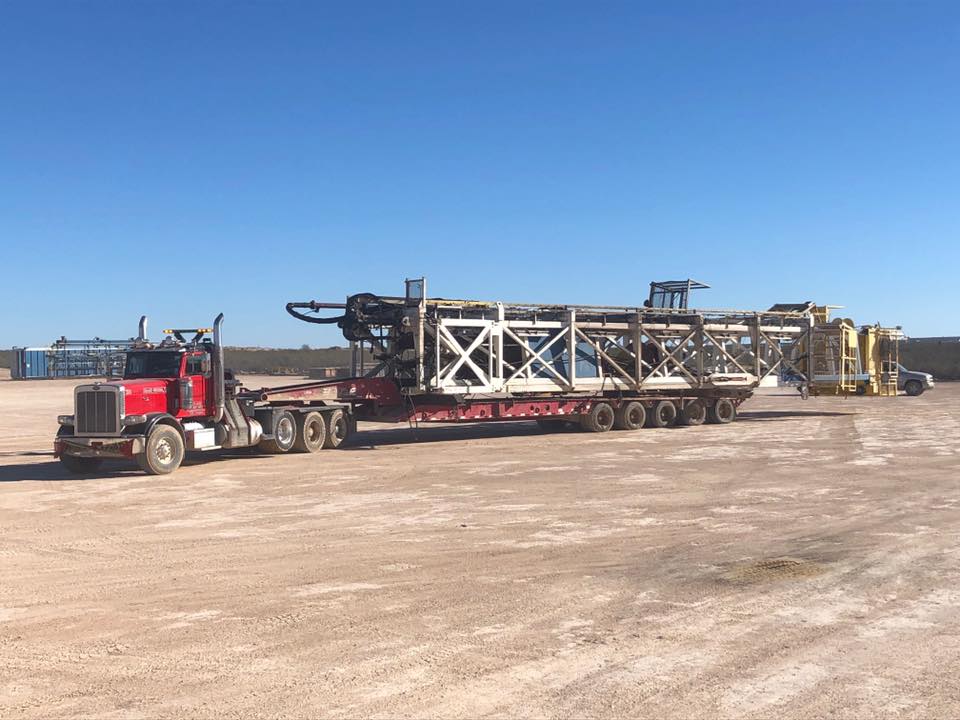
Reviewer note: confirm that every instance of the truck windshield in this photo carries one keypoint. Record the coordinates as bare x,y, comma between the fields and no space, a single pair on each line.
152,365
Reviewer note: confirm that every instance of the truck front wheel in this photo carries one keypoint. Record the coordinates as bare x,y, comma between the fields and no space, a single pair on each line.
80,465
163,451
913,388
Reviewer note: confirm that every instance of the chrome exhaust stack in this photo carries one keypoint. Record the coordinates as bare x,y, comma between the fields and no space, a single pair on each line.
234,428
143,328
216,360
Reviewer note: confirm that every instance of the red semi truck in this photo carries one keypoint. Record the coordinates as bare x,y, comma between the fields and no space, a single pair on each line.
177,396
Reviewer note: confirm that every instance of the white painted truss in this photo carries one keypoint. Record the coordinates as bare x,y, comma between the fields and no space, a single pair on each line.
469,348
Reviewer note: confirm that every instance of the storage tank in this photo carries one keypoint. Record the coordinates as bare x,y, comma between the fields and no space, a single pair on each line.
29,363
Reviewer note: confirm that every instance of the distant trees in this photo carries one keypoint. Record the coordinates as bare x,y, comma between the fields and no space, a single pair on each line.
285,361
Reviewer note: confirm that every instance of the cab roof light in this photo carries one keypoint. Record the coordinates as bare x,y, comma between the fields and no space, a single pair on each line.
179,333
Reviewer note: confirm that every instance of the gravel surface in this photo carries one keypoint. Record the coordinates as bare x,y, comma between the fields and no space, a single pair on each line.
802,562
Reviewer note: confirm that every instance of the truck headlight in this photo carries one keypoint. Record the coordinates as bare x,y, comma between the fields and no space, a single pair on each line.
65,419
134,419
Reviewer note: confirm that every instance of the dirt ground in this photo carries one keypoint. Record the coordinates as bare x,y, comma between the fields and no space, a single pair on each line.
802,562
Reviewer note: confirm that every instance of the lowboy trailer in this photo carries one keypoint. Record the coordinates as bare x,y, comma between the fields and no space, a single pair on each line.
601,368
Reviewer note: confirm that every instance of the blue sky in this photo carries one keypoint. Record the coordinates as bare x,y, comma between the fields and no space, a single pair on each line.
180,159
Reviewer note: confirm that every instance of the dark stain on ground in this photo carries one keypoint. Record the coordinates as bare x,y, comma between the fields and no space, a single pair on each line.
771,570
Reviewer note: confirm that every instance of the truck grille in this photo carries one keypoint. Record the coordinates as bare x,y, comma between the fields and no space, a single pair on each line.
98,410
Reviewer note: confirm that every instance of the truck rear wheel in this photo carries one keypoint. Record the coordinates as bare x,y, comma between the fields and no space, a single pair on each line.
284,432
723,411
338,429
630,416
694,413
599,418
913,388
80,465
664,414
311,433
163,451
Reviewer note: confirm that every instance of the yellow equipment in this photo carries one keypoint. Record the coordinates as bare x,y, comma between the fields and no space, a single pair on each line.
880,360
844,360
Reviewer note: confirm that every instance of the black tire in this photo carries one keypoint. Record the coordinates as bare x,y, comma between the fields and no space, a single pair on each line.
311,433
723,411
163,451
630,416
664,414
913,388
284,432
338,429
694,413
80,465
599,418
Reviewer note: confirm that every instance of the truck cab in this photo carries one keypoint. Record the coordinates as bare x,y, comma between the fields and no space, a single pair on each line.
166,390
177,381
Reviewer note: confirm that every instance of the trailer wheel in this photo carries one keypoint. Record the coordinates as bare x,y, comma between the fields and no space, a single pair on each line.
723,411
163,451
311,433
664,414
338,429
630,416
80,465
599,418
284,433
694,413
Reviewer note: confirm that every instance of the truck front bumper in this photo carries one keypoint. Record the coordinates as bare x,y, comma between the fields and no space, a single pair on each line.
117,447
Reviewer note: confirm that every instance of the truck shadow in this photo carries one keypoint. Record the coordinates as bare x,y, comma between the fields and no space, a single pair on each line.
55,472
755,415
371,439
363,440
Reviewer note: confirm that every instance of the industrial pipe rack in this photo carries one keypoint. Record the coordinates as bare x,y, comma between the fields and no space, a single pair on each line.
74,358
